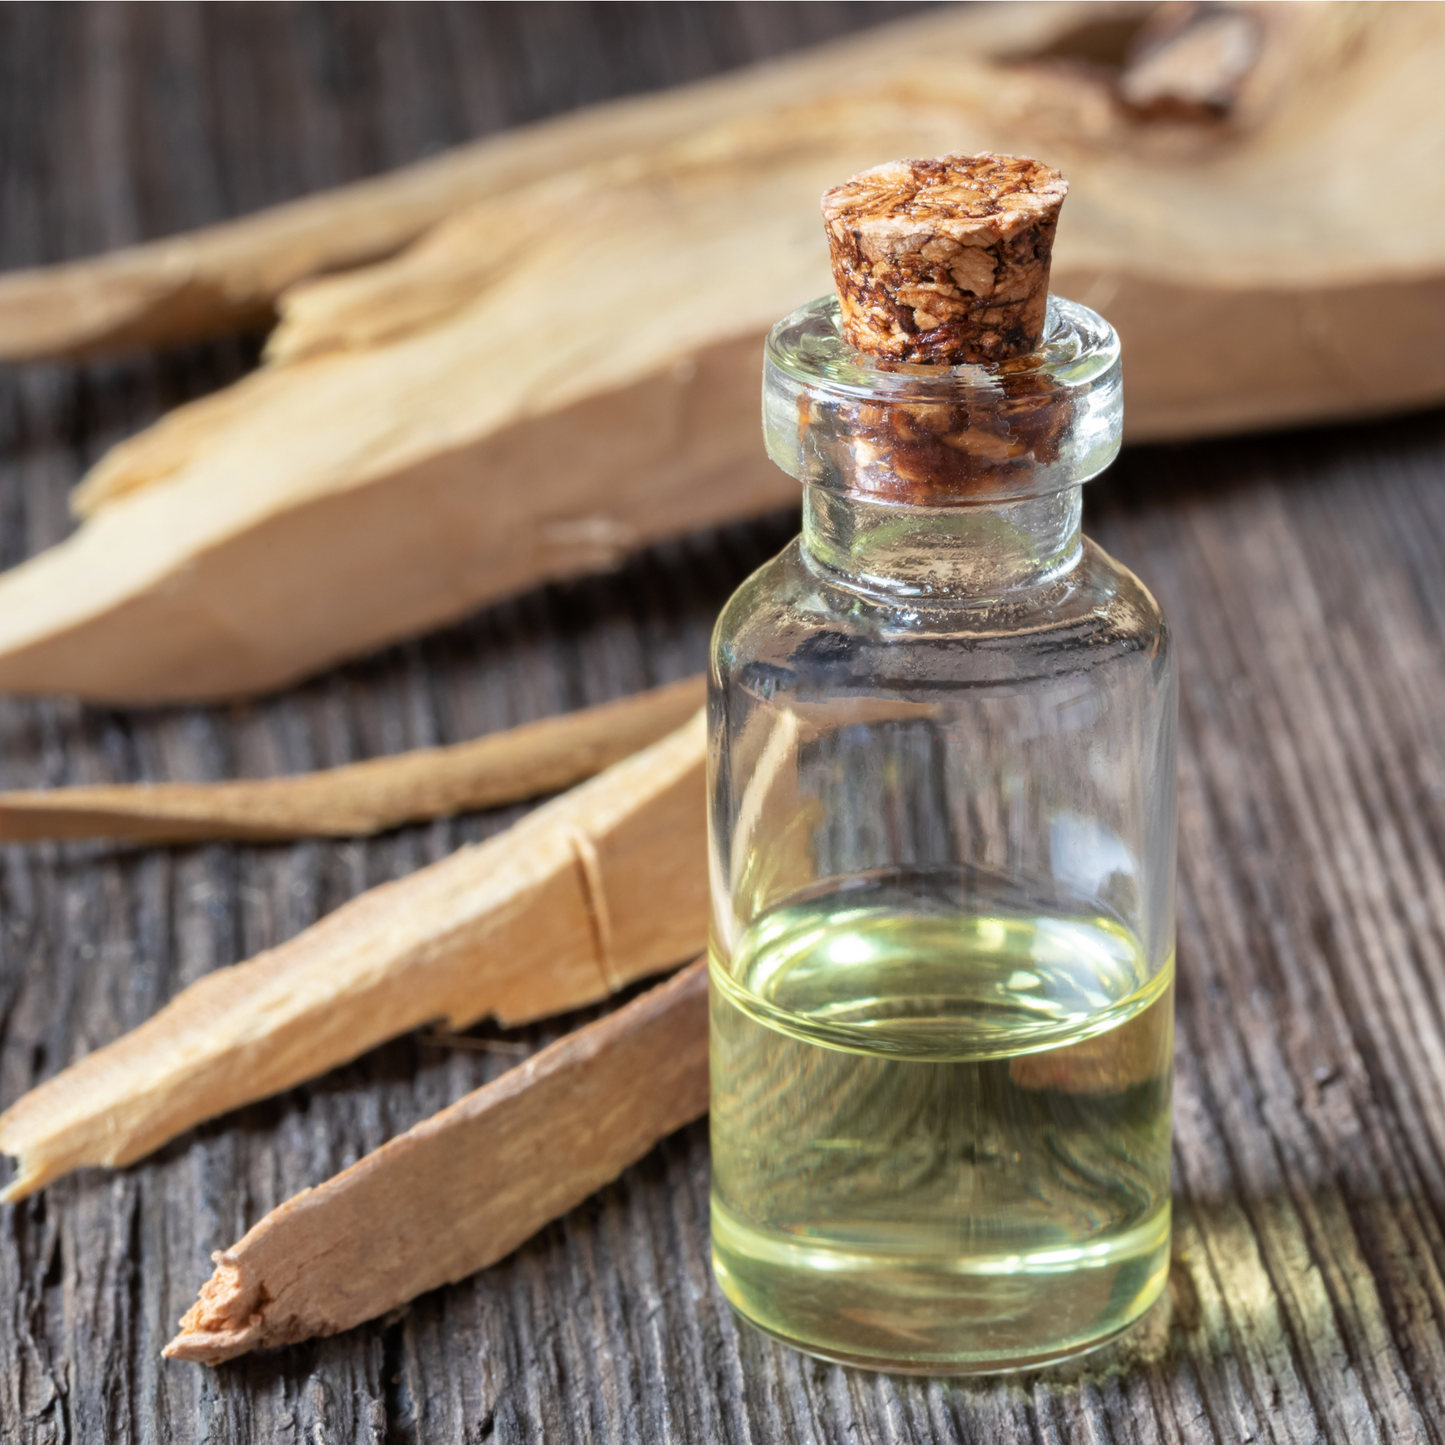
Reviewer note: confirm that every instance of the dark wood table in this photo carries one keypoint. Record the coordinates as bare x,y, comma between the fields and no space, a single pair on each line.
1304,573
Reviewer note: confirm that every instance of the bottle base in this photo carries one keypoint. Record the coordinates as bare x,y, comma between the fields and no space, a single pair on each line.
928,1315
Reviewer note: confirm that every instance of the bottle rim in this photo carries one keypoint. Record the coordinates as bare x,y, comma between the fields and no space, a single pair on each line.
837,417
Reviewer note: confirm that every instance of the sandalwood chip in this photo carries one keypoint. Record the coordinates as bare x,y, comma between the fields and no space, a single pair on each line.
464,1188
945,261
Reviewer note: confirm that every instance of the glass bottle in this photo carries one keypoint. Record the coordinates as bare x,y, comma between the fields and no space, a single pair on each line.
941,812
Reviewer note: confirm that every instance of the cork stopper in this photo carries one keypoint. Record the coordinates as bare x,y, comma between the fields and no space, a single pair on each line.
945,261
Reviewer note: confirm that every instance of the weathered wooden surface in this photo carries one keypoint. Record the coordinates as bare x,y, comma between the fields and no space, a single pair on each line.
1305,576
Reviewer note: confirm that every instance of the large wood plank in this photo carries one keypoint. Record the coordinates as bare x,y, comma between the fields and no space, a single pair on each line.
1304,575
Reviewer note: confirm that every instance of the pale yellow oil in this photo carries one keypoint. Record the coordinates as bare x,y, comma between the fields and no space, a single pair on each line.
940,1137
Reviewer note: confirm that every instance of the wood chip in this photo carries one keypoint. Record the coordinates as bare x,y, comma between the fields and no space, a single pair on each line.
360,798
599,887
464,1188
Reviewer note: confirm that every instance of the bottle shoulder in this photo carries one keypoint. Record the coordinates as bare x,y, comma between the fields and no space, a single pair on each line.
791,623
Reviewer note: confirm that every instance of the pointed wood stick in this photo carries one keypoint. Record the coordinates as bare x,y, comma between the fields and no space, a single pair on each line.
464,1188
604,885
360,798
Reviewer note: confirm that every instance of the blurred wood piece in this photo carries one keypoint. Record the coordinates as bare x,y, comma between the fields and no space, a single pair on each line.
599,887
360,798
565,374
215,279
465,1187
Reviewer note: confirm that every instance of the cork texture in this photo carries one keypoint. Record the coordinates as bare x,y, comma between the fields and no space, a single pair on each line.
945,261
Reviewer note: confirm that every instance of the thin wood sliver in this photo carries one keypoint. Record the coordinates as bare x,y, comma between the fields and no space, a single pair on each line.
360,798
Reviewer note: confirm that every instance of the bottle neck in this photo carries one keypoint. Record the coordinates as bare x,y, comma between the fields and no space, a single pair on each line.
973,554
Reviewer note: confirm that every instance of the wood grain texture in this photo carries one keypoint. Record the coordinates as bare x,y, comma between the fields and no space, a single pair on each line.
1305,578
